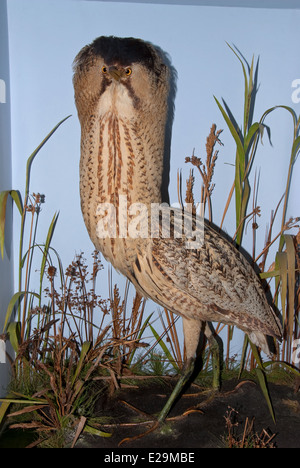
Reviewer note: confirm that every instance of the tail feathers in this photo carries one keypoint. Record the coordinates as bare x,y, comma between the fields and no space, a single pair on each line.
260,340
266,343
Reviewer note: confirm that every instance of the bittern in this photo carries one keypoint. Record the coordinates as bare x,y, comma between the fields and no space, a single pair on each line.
122,88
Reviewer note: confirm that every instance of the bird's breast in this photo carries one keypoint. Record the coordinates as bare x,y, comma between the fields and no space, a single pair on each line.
117,100
113,178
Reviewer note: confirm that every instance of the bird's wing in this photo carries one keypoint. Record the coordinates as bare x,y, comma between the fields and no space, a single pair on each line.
213,282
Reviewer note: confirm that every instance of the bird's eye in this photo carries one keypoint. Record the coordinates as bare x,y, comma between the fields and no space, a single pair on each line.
128,71
104,69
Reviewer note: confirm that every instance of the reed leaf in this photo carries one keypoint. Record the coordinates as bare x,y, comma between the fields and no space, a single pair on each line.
4,408
18,296
247,86
79,429
253,131
269,274
143,327
233,131
241,195
243,355
46,249
291,278
14,333
27,184
16,196
86,346
295,148
294,152
3,201
164,348
92,430
35,152
260,373
283,364
281,264
28,409
263,385
23,400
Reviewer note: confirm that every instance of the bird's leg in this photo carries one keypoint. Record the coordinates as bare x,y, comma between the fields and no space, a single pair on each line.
191,330
215,349
184,378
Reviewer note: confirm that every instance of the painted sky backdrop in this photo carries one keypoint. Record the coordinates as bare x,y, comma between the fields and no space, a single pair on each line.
45,36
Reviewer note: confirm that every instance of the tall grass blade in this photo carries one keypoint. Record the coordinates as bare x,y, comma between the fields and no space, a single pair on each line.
262,379
291,279
79,430
247,98
164,348
18,296
16,196
84,350
92,430
27,183
281,261
3,201
233,131
295,148
283,364
46,249
269,274
263,385
253,130
26,401
243,356
35,152
14,333
143,327
4,408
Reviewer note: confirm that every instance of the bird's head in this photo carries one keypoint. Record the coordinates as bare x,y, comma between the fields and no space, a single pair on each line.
121,74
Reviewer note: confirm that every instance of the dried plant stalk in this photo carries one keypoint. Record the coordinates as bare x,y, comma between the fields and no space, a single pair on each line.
207,170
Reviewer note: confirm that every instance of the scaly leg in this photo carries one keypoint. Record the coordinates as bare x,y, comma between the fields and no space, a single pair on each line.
192,330
184,378
215,347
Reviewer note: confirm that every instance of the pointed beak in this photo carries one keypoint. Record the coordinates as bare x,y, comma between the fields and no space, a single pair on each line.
115,73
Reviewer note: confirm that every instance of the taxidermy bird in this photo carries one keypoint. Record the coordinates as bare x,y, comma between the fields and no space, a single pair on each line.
122,88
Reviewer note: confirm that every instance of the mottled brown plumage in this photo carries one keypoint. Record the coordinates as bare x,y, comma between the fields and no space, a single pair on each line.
122,109
121,92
